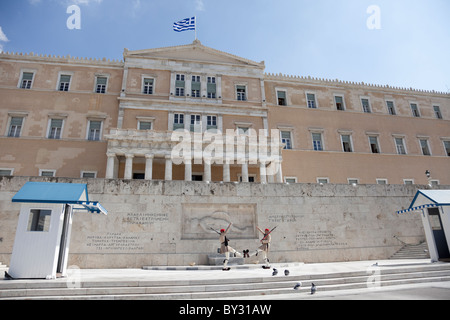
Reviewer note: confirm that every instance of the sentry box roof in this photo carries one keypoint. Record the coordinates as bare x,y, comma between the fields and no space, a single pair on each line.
58,193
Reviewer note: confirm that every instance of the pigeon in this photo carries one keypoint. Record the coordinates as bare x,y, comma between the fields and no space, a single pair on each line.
8,277
313,288
375,265
286,272
275,272
298,286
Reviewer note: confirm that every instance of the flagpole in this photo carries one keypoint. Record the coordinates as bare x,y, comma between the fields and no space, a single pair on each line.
195,27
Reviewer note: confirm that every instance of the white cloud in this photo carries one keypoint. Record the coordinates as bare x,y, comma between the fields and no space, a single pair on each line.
199,5
3,38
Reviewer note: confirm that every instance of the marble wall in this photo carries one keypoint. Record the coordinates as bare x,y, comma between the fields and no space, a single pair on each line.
168,223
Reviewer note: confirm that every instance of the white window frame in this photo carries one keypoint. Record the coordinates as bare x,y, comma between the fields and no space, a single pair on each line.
106,85
419,114
144,87
49,127
382,181
290,178
58,83
291,139
33,71
313,132
88,130
150,120
395,137
427,139
446,140
361,98
353,181
441,116
11,170
393,106
323,180
88,172
316,104
286,103
238,94
343,101
211,80
41,171
351,141
405,182
8,126
376,136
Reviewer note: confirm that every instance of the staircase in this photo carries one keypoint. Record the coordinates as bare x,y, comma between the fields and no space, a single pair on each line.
229,287
419,251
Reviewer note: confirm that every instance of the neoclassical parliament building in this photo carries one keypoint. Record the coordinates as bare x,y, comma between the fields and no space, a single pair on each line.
95,118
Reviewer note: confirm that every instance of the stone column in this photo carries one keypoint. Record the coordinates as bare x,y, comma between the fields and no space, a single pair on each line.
206,171
149,166
110,165
263,171
168,174
188,170
245,171
226,172
129,166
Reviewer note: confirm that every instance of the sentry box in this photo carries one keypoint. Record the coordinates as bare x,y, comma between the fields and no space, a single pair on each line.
41,246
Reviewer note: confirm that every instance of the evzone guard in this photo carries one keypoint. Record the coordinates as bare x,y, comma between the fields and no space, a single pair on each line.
264,248
225,248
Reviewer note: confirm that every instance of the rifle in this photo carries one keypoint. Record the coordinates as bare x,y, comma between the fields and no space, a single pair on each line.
215,231
269,233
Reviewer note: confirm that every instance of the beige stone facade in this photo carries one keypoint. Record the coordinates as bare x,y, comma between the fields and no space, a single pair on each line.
72,117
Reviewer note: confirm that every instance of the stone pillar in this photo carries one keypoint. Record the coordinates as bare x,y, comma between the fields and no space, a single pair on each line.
206,171
149,166
263,172
110,165
129,166
226,172
168,174
245,171
188,170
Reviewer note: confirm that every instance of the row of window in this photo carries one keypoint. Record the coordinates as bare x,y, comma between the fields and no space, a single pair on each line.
347,143
55,128
339,103
355,181
195,89
48,173
27,80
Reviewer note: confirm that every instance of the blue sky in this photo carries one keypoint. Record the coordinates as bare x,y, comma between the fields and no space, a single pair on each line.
321,38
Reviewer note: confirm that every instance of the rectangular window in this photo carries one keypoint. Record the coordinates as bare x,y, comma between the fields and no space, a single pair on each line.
196,123
178,121
39,220
64,82
437,112
311,100
317,141
339,100
346,143
180,85
415,110
281,98
391,107
100,84
148,86
241,93
27,80
95,130
425,147
400,144
323,180
447,147
196,87
211,88
15,127
89,174
286,139
366,105
353,181
55,129
382,181
47,173
145,125
374,144
211,122
6,172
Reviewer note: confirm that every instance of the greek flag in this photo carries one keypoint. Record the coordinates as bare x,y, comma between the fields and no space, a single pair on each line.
184,25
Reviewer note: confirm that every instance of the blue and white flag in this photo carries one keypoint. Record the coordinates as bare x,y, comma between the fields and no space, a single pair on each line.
184,25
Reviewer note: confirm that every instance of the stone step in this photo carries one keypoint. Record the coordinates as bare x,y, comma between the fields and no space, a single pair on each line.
231,288
413,252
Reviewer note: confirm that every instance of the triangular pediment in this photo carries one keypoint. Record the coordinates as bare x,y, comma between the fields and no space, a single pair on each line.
195,52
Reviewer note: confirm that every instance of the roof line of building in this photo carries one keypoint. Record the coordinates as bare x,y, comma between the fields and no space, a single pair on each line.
316,80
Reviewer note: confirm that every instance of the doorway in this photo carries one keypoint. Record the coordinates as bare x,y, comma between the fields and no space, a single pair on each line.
438,233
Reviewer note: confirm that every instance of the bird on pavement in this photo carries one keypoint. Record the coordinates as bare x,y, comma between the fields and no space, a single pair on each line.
286,272
275,272
298,286
313,288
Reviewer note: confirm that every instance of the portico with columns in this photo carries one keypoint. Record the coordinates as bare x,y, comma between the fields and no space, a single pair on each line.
150,155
